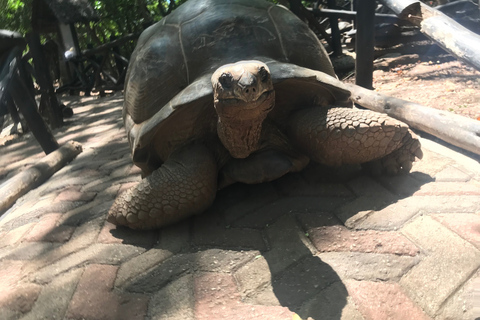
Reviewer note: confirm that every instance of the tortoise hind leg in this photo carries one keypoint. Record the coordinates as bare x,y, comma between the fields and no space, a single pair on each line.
184,185
339,136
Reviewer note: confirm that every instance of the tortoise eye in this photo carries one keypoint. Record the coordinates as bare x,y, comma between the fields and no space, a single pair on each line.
226,80
263,73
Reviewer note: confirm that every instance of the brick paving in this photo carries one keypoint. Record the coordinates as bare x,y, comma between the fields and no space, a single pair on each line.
321,244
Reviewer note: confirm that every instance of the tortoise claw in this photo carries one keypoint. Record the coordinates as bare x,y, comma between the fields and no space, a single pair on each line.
400,161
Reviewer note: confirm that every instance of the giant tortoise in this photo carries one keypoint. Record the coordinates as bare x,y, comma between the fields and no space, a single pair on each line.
220,92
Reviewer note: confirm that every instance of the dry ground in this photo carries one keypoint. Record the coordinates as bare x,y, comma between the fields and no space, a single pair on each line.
442,83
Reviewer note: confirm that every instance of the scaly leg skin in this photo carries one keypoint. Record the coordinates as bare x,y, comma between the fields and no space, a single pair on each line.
184,185
338,136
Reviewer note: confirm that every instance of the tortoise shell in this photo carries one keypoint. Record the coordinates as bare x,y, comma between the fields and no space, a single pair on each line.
168,93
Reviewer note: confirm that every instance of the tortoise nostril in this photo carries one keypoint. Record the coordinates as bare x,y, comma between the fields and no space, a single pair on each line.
250,90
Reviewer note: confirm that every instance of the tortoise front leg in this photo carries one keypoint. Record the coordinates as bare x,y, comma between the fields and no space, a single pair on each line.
339,136
184,185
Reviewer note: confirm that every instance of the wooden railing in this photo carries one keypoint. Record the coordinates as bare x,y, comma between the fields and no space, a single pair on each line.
101,68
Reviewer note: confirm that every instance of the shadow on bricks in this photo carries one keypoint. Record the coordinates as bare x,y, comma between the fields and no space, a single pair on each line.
262,245
270,268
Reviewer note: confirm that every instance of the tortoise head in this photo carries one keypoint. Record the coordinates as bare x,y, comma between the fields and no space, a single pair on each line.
243,96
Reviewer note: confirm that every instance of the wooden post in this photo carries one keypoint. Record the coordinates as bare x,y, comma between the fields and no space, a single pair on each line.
364,44
27,105
48,101
116,54
336,43
12,109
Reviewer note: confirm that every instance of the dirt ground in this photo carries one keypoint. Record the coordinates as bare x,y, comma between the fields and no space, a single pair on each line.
439,82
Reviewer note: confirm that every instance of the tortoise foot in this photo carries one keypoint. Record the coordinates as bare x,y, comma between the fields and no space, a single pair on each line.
399,161
183,186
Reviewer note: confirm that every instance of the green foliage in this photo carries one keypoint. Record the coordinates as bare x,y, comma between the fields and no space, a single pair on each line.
16,15
117,18
122,17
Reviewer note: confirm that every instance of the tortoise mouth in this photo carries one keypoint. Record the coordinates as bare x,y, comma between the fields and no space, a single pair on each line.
240,109
249,104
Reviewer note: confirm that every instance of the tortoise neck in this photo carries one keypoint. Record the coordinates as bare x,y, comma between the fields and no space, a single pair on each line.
239,124
241,139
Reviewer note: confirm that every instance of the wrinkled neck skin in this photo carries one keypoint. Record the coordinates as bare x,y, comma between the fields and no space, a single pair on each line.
239,124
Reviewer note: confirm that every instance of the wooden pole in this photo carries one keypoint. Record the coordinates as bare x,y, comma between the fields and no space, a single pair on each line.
49,102
458,130
27,105
335,31
364,44
449,34
20,184
352,15
111,44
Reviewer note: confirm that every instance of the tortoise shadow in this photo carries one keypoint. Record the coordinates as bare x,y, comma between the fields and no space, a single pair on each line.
257,236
